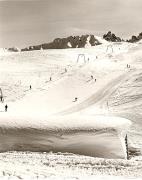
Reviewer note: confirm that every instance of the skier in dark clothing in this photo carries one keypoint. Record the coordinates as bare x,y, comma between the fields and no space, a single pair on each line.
1,96
6,107
75,99
30,87
92,77
1,99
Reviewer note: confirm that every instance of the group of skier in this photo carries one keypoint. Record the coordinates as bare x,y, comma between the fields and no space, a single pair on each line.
92,77
50,79
2,100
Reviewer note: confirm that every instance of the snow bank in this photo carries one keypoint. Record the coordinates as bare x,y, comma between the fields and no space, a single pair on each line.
64,122
97,136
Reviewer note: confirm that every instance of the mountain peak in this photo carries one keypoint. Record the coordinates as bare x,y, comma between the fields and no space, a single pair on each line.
83,41
111,37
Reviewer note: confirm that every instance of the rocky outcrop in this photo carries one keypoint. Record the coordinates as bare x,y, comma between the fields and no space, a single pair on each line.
69,42
111,37
13,49
135,38
8,50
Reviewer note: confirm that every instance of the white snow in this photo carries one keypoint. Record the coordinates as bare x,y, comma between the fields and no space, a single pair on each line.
26,165
47,118
101,40
88,45
69,44
3,51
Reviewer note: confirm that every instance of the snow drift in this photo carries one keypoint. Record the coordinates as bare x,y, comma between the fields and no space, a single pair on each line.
97,136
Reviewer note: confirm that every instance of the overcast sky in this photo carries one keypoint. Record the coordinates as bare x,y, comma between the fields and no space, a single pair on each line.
24,23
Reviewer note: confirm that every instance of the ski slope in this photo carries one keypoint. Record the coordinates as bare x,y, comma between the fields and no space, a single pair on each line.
47,117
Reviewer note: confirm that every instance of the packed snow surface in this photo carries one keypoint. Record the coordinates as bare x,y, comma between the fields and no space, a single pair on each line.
18,165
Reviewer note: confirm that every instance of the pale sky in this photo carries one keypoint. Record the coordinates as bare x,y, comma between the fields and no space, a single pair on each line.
24,23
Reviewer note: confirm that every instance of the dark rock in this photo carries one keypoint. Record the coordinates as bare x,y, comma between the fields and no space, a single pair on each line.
135,38
13,49
63,43
111,37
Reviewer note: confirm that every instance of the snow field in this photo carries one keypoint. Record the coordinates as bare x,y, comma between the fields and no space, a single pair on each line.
47,118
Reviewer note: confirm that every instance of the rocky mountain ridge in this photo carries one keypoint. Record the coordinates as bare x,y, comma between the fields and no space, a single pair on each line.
69,42
83,41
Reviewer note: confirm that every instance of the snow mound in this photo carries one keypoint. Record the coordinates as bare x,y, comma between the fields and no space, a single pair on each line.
94,136
68,122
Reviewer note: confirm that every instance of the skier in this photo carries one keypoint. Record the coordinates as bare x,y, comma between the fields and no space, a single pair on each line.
1,99
1,96
65,70
95,80
92,77
30,87
75,99
6,107
50,79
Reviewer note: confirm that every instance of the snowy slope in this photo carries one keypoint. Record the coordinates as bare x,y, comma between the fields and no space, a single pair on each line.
93,75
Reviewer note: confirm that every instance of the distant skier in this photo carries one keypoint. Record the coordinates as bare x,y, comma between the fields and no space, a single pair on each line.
64,71
92,77
30,87
95,80
50,79
1,98
75,99
6,107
